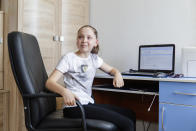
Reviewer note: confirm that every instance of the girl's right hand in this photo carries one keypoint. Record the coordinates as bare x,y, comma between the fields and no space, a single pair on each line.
69,98
52,84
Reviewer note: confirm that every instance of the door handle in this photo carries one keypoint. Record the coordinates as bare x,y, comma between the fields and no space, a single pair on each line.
186,94
56,38
162,124
1,40
61,38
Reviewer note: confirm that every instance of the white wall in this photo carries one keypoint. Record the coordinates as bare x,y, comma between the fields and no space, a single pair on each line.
123,25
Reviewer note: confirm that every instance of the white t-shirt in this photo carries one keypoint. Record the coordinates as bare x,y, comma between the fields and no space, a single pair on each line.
79,74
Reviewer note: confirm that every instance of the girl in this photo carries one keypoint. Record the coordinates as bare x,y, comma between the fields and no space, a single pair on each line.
79,70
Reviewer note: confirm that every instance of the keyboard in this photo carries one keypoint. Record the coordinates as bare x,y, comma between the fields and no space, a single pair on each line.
137,73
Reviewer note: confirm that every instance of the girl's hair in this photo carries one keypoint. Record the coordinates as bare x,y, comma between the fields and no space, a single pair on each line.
95,50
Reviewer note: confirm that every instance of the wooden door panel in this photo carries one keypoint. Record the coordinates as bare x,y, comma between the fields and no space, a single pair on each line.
3,110
41,19
75,13
1,50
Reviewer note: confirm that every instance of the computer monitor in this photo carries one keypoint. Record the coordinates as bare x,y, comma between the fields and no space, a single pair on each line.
157,58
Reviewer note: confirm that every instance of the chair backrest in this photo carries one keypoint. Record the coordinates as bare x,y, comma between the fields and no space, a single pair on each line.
29,73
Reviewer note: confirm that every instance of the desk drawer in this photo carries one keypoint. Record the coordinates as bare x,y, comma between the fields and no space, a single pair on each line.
177,93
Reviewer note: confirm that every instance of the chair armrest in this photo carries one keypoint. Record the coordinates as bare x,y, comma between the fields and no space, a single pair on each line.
41,94
83,115
45,94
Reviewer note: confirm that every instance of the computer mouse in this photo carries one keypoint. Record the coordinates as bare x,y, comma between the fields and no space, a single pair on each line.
160,75
178,75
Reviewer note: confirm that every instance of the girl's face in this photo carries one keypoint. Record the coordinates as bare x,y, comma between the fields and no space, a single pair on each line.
86,40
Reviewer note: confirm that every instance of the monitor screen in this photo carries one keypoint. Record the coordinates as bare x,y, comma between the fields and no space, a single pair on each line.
157,58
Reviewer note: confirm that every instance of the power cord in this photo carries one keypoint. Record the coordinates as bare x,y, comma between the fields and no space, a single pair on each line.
147,125
152,102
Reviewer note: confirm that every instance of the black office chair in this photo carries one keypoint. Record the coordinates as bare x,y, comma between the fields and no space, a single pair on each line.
39,103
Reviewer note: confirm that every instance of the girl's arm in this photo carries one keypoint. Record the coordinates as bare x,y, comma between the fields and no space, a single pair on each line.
118,80
53,85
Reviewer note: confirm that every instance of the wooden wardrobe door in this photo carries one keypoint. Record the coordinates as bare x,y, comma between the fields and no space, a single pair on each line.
41,18
1,50
75,13
3,93
44,19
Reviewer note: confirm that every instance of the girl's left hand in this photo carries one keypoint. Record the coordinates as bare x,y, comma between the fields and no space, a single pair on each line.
118,80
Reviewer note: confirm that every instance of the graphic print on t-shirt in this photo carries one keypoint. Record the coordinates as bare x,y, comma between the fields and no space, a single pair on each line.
84,68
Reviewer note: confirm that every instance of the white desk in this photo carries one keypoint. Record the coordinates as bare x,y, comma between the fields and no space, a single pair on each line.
126,77
177,100
142,78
